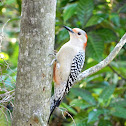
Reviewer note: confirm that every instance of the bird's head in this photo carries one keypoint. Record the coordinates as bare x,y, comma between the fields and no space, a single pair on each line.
77,34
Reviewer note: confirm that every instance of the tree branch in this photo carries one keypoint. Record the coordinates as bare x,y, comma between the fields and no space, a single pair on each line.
105,62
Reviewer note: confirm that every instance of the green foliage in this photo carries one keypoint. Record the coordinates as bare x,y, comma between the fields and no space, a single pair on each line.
107,92
71,110
99,99
122,9
96,19
4,117
80,120
103,122
84,11
80,103
119,112
93,115
9,9
84,95
118,102
95,46
69,11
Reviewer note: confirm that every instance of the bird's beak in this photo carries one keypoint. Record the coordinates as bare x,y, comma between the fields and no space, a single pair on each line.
68,29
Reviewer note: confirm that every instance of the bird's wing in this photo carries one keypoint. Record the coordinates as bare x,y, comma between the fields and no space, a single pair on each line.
76,67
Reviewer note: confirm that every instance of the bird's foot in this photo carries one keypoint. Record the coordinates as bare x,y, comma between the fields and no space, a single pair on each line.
54,60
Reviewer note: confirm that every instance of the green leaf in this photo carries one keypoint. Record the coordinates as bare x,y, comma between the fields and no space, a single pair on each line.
120,31
96,40
93,115
107,35
122,9
19,5
107,92
62,3
96,19
118,103
10,2
84,94
119,112
84,10
69,11
4,117
15,19
69,108
79,103
62,36
103,122
95,46
114,17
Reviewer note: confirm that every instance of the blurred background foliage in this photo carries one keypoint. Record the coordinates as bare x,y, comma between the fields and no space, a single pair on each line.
98,100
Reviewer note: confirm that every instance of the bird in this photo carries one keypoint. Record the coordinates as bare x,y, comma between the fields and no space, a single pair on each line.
69,63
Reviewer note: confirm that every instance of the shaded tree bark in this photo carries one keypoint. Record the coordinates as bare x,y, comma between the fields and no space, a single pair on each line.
34,76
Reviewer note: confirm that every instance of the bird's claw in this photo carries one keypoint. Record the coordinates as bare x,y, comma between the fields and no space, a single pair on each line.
52,62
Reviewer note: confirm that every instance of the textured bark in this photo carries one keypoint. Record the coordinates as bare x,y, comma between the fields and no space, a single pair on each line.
34,75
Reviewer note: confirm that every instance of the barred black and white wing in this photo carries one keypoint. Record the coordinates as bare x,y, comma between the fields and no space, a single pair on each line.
76,67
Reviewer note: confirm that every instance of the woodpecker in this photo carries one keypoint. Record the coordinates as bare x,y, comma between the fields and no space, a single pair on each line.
69,62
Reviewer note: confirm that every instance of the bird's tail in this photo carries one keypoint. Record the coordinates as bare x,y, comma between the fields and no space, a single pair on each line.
57,97
54,103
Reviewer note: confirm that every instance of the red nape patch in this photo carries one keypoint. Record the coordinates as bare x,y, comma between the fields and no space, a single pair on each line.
85,44
86,36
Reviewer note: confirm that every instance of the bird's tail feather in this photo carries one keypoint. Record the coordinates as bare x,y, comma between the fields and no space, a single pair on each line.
54,104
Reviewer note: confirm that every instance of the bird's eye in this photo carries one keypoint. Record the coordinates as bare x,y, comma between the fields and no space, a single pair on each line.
79,33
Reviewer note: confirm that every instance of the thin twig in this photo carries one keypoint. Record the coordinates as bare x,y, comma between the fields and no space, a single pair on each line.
8,66
7,110
66,111
2,34
116,72
4,26
5,116
11,103
70,117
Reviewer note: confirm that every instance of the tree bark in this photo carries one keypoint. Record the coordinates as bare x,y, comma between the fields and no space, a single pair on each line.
34,75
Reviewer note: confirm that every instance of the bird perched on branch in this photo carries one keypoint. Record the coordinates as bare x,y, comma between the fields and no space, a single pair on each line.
69,62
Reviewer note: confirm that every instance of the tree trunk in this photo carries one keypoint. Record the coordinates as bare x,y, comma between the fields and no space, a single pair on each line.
34,75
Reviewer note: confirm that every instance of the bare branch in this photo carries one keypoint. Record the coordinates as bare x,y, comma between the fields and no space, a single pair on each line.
2,34
4,26
105,62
